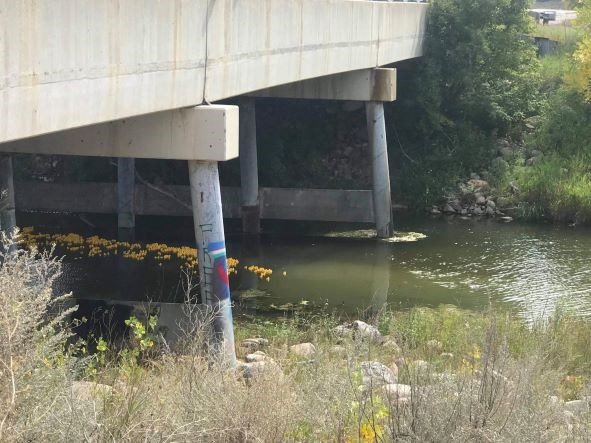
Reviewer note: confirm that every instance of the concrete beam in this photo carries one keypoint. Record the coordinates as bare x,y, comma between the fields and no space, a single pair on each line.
336,205
378,85
68,64
198,133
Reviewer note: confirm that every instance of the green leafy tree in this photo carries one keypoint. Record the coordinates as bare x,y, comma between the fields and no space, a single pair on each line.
581,79
478,78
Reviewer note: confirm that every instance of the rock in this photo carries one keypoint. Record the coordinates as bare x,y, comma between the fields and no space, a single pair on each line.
395,392
435,211
254,344
434,345
343,331
366,332
400,362
303,350
464,211
390,344
394,369
532,122
489,211
421,366
446,355
506,219
480,199
577,406
456,205
553,400
448,209
536,153
477,211
502,202
377,374
474,176
252,369
491,203
532,161
478,184
513,188
255,356
499,163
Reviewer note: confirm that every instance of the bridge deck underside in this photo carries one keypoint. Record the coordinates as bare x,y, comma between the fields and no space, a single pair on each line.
67,64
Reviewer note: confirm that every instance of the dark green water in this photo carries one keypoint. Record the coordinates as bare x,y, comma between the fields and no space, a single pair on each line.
531,269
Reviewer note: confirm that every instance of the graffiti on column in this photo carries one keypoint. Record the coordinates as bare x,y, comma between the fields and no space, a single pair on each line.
220,284
215,285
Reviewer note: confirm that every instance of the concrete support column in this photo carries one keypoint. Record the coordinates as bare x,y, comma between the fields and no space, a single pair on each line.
249,173
7,206
211,247
126,198
382,200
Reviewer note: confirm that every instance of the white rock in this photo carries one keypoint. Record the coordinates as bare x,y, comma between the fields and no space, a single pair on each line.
421,365
576,406
365,331
256,369
400,362
303,350
390,344
395,392
254,344
343,331
394,368
377,374
256,356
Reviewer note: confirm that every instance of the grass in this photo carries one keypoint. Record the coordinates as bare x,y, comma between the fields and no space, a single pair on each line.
483,376
565,33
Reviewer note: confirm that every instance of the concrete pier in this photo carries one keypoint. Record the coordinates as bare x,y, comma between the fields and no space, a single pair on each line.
125,198
7,206
382,200
249,173
211,246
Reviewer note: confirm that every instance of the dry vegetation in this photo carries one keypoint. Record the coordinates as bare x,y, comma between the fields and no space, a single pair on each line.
484,377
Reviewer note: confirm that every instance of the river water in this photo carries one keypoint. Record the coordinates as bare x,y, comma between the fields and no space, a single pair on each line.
531,269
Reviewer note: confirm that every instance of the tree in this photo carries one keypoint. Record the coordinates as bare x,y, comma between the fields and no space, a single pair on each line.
478,78
581,79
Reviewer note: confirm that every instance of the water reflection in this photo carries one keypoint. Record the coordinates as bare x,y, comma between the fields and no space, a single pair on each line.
533,269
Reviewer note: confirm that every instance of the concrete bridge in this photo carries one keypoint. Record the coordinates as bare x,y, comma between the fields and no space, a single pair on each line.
143,79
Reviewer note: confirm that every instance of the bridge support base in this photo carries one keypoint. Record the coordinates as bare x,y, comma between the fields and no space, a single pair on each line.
125,198
382,199
249,175
7,206
211,249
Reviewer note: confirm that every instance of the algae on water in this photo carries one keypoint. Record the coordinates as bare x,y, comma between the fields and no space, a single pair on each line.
398,237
